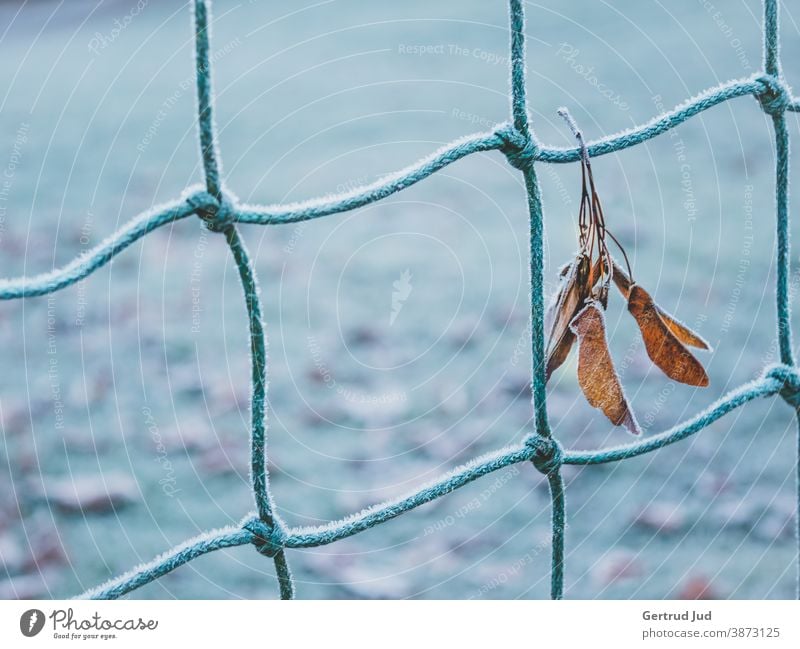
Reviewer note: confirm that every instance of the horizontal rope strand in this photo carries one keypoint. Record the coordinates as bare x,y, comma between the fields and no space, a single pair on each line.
731,401
97,257
658,125
379,190
323,206
482,142
203,544
305,537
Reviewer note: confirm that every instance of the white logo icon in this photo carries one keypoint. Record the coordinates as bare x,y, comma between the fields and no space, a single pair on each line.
402,289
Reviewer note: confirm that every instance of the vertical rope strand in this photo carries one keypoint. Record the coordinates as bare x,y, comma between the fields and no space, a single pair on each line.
205,99
539,395
797,511
542,426
285,581
519,110
556,483
782,287
519,103
784,259
259,473
258,351
772,66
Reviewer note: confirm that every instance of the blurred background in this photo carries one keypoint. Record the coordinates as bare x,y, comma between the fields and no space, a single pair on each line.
397,333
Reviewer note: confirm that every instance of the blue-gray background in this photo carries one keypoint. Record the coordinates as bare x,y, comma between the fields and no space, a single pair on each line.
124,401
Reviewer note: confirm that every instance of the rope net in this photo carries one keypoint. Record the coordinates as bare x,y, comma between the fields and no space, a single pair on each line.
221,212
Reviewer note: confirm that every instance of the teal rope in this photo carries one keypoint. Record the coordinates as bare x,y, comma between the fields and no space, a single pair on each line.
547,462
258,351
536,227
205,99
784,250
519,102
556,484
797,511
97,257
776,105
259,474
660,124
313,536
738,397
771,47
504,137
163,564
220,211
522,154
775,101
539,396
385,187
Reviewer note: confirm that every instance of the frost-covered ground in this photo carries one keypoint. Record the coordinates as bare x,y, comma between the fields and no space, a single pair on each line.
397,333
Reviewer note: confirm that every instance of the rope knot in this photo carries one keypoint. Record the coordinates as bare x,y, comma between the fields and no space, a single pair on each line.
216,214
776,97
268,538
548,455
520,150
790,378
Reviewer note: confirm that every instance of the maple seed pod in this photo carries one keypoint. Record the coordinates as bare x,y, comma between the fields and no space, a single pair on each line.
680,330
596,374
662,345
575,288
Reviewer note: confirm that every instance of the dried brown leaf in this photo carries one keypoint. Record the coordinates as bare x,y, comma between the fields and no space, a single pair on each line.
663,346
559,353
596,273
680,330
550,313
596,374
621,279
553,304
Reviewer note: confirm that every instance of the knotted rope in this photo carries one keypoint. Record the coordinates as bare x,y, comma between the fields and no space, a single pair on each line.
548,454
218,215
789,378
269,538
776,97
520,150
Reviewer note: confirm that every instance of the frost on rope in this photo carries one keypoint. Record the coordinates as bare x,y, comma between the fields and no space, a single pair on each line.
216,539
660,123
381,188
480,466
761,387
232,536
101,254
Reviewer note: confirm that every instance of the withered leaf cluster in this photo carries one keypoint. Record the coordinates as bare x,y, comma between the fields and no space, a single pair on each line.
577,314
